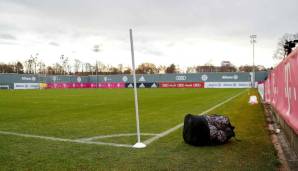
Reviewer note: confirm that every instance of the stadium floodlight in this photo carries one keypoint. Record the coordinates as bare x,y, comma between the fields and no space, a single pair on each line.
139,144
96,49
253,41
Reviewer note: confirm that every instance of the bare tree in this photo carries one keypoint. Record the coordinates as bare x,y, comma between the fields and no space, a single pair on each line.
30,65
127,70
102,68
68,67
88,67
161,69
35,62
280,52
247,68
50,70
6,68
172,69
82,67
64,63
146,68
114,70
19,68
77,65
41,67
58,69
120,68
191,69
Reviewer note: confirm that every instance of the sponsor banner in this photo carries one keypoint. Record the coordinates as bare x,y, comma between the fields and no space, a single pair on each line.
86,85
20,86
227,84
111,85
29,78
43,85
181,85
142,85
281,90
193,77
64,85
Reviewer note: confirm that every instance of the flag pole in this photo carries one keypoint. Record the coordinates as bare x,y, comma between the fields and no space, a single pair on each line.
139,144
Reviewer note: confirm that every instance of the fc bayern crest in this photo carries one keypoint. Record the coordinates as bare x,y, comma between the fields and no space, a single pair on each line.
204,77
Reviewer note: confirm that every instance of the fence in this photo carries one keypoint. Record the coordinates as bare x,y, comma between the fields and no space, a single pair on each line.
281,90
197,80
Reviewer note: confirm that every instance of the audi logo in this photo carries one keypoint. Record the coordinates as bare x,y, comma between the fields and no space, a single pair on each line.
181,78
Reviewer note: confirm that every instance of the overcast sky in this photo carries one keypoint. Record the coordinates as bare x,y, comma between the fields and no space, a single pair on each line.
184,32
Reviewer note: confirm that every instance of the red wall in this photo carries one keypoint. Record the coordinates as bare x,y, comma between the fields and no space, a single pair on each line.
86,85
281,89
181,85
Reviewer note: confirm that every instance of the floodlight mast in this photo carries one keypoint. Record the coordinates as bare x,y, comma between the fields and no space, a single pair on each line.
253,41
139,144
96,49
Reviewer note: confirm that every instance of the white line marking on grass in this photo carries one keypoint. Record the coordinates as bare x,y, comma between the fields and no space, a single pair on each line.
114,135
33,136
62,139
102,143
165,133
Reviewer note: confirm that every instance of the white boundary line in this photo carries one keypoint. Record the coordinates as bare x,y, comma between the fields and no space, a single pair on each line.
81,141
114,135
166,132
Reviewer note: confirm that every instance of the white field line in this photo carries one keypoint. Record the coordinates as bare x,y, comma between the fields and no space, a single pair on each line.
114,135
62,139
165,133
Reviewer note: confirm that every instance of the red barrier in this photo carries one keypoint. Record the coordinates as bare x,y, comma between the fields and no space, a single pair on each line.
86,85
111,85
181,85
281,89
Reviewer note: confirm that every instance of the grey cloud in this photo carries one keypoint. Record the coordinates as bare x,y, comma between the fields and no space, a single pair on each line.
8,43
215,17
54,44
153,52
7,36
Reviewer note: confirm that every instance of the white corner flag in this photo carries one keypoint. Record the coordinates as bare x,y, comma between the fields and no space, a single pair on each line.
139,144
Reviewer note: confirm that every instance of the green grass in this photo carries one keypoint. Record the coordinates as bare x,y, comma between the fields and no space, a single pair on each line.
80,113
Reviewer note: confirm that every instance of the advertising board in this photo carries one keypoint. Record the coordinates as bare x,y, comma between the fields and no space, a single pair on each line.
227,84
281,90
23,86
181,85
85,85
142,85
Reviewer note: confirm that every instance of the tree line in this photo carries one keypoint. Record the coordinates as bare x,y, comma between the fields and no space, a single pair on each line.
64,67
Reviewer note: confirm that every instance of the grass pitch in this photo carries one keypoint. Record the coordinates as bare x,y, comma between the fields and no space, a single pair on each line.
84,113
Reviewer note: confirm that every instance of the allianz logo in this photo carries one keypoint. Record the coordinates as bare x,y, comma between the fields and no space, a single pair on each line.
28,78
230,77
181,77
